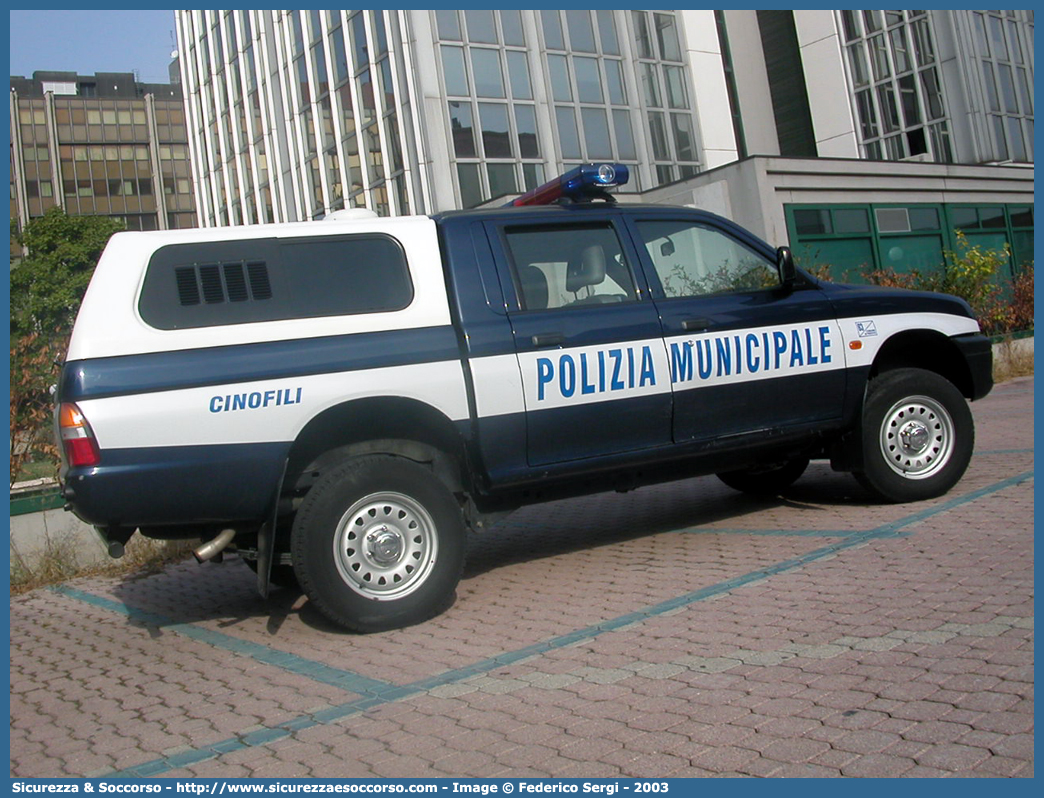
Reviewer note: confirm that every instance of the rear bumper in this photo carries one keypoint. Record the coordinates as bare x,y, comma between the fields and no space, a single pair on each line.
977,351
177,485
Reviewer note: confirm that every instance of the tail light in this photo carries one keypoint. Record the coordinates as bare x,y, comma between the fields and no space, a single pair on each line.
78,441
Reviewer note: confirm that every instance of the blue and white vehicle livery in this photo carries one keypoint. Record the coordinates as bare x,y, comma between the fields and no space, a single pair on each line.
339,401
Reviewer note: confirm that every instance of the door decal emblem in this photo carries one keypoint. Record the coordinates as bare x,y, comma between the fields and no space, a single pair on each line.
866,329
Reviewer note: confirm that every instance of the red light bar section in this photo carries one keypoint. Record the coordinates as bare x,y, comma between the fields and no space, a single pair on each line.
541,195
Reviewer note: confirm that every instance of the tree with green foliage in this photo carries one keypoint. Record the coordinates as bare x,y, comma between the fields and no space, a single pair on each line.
48,284
46,289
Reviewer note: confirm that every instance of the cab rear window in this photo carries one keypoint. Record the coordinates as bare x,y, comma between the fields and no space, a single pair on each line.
215,283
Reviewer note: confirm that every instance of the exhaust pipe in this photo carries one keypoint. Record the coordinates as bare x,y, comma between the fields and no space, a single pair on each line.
214,547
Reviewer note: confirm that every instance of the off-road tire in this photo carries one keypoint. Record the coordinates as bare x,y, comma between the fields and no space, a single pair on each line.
378,543
917,436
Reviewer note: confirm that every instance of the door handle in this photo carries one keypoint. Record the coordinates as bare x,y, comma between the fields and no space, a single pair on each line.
548,339
696,325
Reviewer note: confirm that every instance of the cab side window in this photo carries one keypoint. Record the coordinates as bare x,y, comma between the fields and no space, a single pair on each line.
694,260
565,266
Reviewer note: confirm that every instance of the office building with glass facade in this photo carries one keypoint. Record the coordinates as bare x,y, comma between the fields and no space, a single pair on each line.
953,86
295,114
101,144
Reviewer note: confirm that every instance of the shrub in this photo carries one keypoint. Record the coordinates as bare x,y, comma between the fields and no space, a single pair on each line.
46,289
34,358
821,271
889,278
1022,299
975,275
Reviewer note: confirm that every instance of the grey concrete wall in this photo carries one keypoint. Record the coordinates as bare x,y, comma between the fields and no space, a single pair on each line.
57,531
752,87
754,191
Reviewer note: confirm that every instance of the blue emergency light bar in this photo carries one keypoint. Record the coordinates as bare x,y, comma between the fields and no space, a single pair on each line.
581,184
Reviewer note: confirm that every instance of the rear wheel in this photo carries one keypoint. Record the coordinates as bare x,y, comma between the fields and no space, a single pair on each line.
378,543
767,481
917,436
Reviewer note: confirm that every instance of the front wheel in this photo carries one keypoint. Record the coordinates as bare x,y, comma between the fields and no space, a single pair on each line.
378,543
917,436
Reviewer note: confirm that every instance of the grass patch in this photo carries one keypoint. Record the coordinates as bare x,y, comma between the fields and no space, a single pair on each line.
60,561
1012,359
37,469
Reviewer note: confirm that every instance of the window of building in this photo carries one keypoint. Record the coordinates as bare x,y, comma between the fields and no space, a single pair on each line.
593,114
485,69
345,138
661,74
1021,217
894,78
588,76
1002,39
849,240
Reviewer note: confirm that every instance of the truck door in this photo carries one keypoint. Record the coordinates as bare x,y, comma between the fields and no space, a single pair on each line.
746,354
587,339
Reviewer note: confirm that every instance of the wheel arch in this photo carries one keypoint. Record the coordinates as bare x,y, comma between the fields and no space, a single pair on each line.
925,349
390,425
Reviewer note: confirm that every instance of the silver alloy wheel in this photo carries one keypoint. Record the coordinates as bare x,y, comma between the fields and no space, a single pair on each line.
917,437
385,546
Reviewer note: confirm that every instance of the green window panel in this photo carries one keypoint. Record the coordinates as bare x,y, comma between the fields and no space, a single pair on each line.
988,227
849,239
903,254
1022,246
845,259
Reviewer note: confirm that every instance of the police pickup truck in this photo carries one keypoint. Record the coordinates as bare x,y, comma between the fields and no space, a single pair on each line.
339,401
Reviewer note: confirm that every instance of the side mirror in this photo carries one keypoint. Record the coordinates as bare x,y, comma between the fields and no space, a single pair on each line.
785,263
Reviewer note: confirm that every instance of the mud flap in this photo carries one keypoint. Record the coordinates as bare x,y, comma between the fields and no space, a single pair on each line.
265,553
266,542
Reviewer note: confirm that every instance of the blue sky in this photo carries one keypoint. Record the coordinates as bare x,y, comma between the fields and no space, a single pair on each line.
93,41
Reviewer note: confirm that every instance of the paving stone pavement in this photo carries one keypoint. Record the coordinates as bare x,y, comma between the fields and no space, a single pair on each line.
680,630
